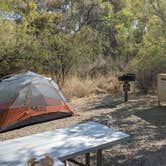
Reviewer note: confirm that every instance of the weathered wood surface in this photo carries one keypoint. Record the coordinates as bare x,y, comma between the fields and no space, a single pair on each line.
162,88
61,143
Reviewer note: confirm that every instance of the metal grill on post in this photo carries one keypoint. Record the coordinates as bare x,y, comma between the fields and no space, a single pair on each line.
126,78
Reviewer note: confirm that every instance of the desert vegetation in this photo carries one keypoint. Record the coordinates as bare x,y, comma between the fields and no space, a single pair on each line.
84,43
83,87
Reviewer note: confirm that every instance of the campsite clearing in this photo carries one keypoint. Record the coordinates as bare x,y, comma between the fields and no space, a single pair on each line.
140,118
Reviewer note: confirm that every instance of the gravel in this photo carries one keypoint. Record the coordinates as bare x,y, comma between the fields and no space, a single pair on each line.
139,117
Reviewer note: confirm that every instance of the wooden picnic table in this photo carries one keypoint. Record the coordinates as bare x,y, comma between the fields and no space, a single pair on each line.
62,144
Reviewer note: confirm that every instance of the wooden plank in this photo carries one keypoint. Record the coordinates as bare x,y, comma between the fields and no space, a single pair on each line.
58,163
161,89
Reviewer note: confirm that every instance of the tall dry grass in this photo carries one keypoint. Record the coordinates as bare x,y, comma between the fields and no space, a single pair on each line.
78,87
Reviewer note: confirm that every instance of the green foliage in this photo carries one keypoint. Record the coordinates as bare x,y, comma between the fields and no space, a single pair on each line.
77,35
152,52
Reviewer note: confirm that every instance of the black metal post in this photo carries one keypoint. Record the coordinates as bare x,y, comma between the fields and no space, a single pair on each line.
99,157
87,158
126,90
126,95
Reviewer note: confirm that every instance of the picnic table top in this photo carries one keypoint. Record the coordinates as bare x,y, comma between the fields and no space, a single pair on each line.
61,143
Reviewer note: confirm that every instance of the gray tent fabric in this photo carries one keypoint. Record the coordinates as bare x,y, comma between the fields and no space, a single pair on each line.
16,89
30,91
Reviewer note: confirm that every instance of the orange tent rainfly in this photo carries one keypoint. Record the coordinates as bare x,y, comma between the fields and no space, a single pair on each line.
29,98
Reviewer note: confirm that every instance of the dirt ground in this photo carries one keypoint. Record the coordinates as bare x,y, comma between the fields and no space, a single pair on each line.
140,118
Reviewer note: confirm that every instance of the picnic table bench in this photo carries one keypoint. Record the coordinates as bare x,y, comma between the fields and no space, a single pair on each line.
62,144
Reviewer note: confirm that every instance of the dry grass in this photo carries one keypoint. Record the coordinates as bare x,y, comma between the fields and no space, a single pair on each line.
77,87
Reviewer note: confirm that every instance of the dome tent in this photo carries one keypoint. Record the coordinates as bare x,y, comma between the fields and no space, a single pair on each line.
29,98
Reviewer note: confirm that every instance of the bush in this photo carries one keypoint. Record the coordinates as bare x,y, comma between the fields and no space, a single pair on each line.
77,87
